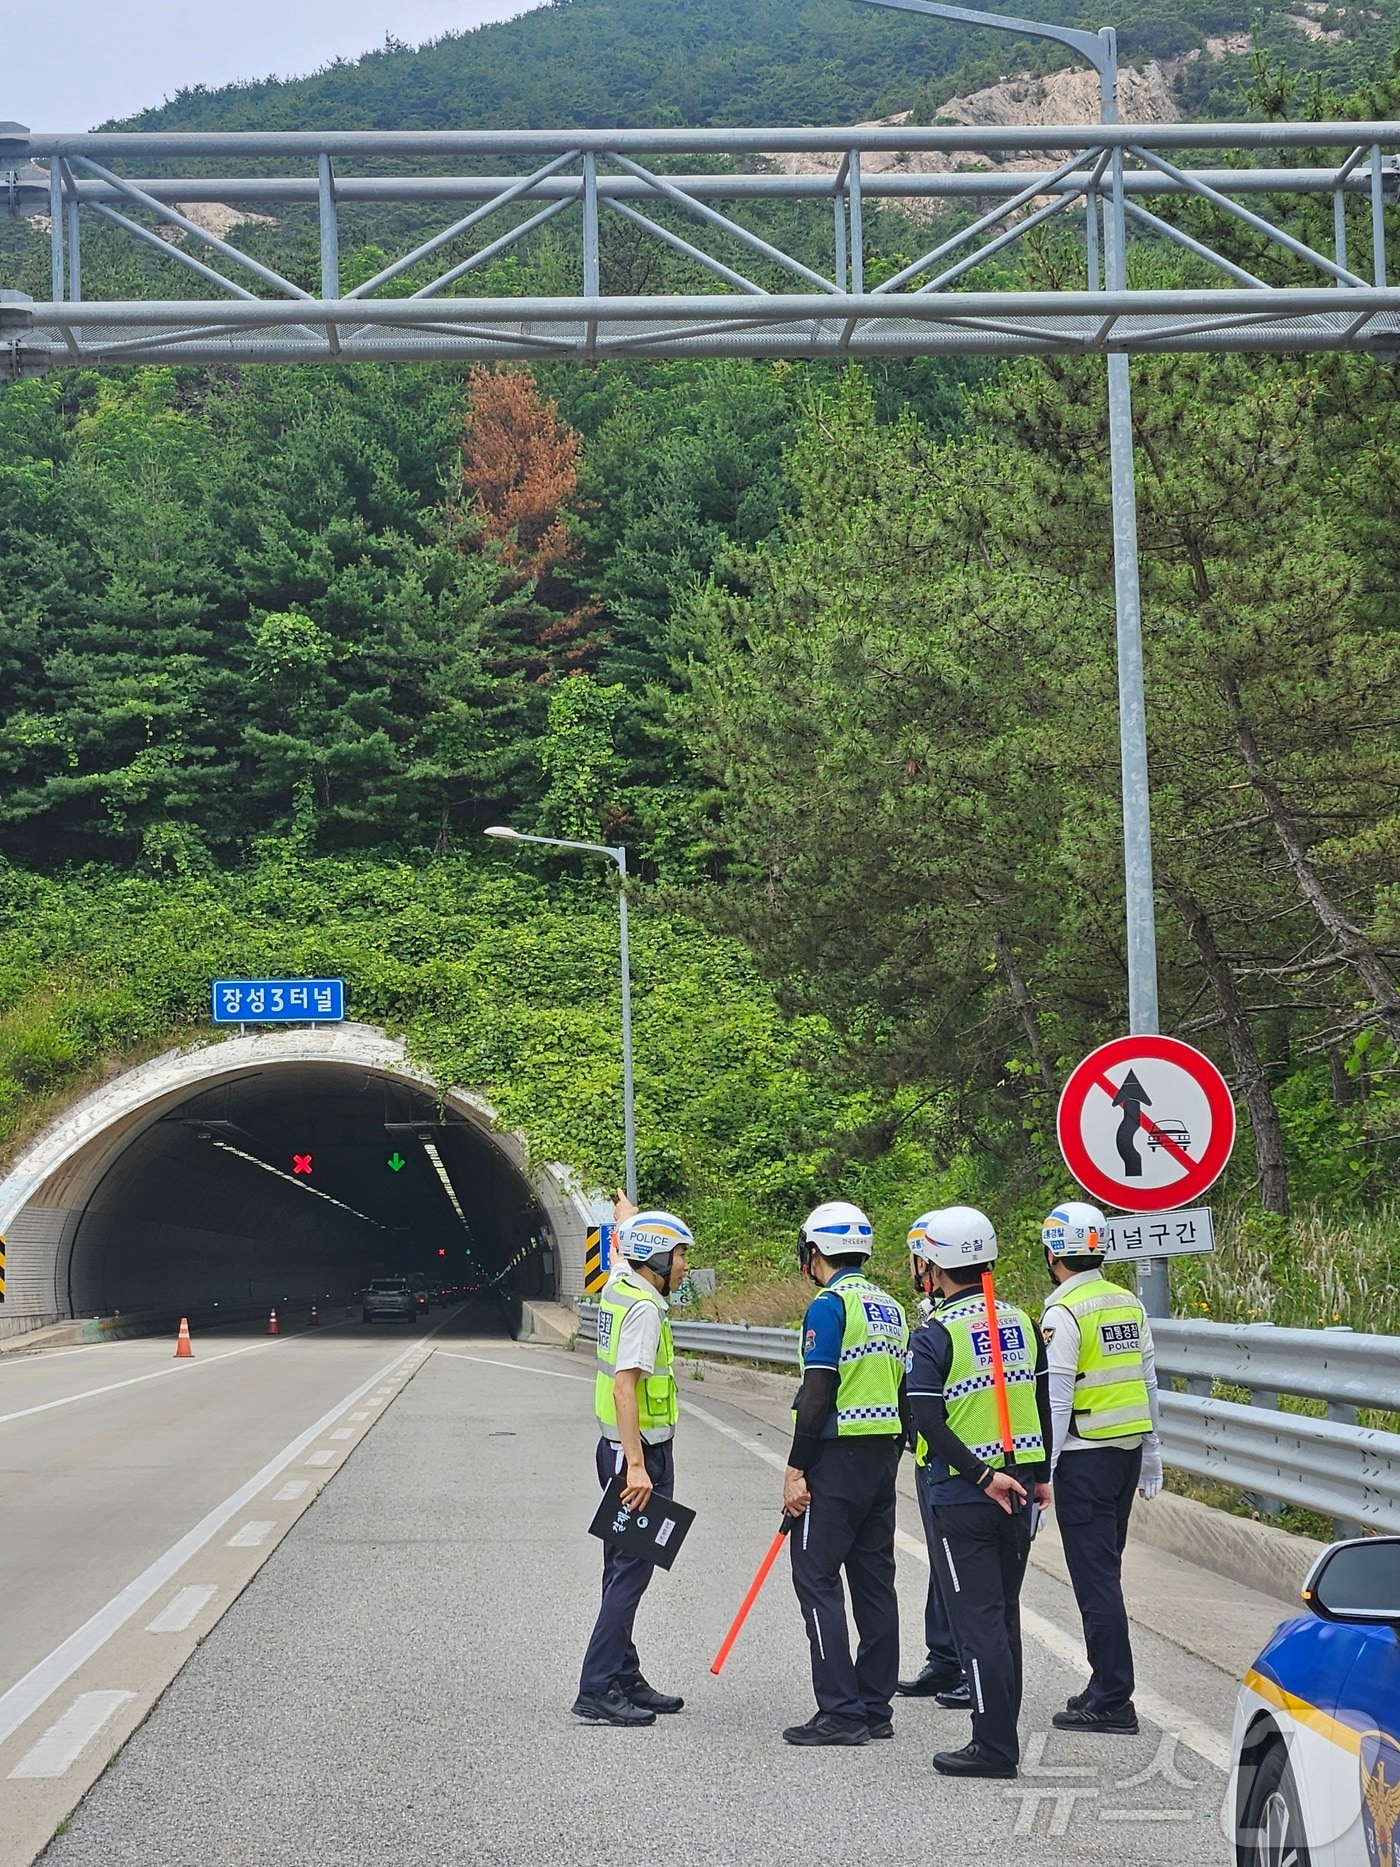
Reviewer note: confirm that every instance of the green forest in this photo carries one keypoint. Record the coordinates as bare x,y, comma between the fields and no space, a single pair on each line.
831,651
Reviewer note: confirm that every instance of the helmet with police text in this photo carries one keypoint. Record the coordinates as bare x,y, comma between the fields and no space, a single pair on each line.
838,1230
654,1234
914,1238
1075,1229
959,1235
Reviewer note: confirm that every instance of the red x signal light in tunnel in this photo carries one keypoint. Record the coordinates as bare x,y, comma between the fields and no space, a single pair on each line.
442,1251
301,1163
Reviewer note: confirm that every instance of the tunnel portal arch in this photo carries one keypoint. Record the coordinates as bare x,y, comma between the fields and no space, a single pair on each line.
175,1185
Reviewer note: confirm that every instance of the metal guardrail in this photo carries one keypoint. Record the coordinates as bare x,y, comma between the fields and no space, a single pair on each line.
1335,1365
1341,1470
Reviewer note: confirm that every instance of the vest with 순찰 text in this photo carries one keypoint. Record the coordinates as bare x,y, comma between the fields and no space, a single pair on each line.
1110,1391
969,1391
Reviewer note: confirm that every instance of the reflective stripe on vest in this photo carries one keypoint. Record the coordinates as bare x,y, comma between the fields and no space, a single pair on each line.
657,1404
871,1363
969,1392
1110,1393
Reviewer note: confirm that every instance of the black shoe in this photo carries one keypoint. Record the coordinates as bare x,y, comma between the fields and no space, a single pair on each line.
610,1707
880,1727
650,1699
971,1760
1122,1723
933,1678
1078,1701
958,1698
825,1728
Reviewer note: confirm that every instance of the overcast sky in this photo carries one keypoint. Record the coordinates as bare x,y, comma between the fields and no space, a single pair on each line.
71,64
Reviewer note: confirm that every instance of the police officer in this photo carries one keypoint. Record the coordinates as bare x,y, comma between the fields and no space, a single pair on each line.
941,1674
1103,1405
635,1401
849,1430
980,1499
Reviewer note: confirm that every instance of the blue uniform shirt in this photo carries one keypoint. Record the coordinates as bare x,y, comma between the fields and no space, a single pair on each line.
823,1331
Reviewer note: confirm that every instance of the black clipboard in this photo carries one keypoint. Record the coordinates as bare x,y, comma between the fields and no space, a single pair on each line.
654,1534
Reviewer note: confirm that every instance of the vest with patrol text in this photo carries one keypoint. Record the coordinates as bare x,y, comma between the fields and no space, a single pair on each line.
1110,1393
969,1392
657,1407
873,1340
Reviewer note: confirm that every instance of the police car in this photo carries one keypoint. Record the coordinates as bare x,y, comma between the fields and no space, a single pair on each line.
1316,1776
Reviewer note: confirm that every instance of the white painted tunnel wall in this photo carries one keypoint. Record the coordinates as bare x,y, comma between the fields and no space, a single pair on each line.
43,1196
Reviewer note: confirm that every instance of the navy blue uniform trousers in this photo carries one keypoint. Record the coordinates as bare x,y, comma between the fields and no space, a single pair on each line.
1093,1500
611,1659
981,1553
850,1525
939,1637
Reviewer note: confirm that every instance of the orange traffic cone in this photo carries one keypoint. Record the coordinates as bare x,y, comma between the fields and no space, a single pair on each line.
315,1322
272,1328
183,1351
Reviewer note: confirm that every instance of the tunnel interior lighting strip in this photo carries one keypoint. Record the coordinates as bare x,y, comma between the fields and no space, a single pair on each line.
300,1184
430,1149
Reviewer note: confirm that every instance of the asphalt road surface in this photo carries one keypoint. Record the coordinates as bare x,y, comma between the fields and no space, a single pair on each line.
393,1684
120,1467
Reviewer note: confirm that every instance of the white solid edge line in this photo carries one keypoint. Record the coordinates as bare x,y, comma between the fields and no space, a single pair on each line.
1179,1723
521,1367
135,1380
63,1743
38,1357
27,1694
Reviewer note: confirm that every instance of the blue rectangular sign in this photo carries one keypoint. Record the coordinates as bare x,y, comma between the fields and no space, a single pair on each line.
278,1001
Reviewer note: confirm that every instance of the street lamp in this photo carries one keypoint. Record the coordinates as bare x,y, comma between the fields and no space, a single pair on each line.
1100,49
619,856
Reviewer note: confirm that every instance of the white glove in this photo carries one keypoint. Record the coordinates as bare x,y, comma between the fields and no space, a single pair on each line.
1150,1479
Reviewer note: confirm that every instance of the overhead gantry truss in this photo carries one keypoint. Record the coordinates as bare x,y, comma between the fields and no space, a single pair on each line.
972,193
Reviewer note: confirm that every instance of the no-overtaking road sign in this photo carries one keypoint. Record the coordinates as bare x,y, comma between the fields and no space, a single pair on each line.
1146,1123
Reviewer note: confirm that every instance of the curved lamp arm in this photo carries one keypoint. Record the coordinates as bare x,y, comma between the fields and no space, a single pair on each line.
1099,48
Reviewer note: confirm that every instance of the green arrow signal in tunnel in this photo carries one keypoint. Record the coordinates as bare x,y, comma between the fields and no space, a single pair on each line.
397,1163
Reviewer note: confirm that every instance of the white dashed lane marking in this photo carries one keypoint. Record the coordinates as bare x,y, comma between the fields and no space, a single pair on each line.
63,1743
344,1432
291,1492
181,1609
26,1695
322,1458
251,1535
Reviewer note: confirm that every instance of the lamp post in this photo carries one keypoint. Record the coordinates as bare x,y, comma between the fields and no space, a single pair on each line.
619,856
1100,49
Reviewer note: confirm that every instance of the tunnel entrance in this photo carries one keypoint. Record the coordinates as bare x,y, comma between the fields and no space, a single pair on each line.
287,1168
298,1185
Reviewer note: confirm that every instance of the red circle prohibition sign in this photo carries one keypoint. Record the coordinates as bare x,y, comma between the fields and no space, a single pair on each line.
1106,1100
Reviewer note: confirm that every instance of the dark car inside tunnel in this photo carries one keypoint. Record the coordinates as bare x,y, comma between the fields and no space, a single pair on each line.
298,1184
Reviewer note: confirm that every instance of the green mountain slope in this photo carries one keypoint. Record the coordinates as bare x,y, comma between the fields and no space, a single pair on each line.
607,62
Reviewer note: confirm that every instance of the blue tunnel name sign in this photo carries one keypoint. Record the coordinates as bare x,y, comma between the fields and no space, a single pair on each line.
277,1001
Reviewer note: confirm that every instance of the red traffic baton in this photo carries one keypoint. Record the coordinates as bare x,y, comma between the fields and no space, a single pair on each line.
989,1297
755,1588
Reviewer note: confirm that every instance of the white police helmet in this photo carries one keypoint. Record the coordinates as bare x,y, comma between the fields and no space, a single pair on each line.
653,1234
1075,1229
838,1230
958,1235
914,1238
